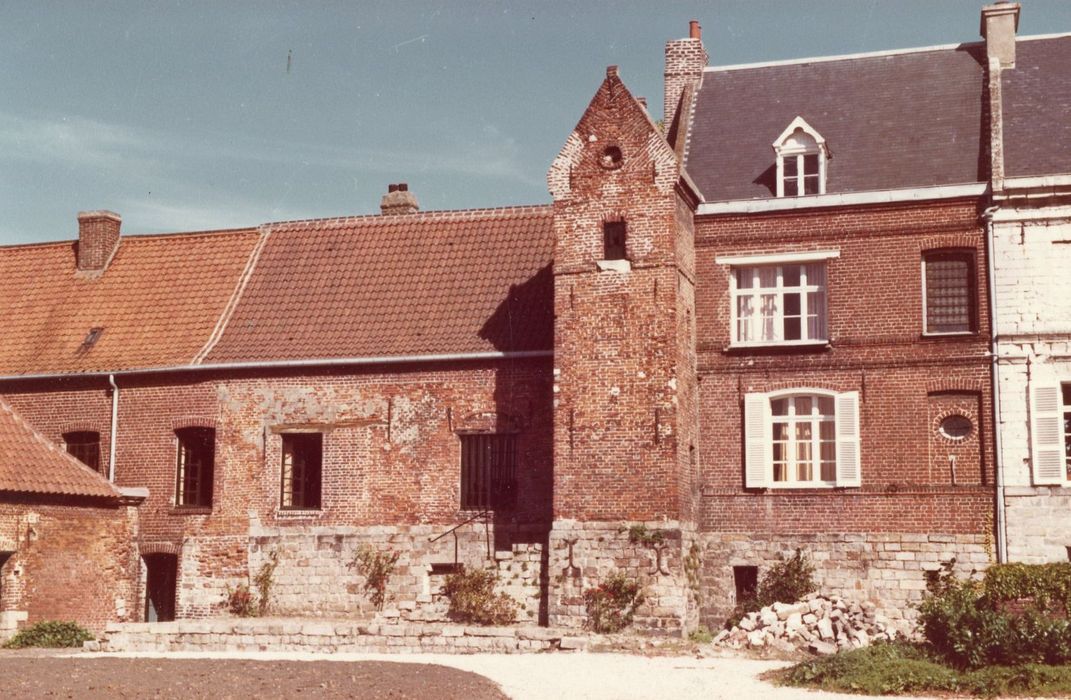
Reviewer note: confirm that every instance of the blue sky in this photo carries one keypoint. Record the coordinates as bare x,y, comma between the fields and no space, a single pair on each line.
183,115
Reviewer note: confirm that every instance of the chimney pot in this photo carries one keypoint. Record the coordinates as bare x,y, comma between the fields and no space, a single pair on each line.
392,188
98,238
694,30
403,186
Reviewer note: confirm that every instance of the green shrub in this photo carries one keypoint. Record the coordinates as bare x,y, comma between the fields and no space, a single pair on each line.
241,601
376,567
473,598
701,635
50,634
966,625
785,582
1047,585
612,604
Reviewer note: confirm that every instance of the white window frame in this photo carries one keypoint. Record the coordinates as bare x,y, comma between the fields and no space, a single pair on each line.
1049,462
789,145
758,439
740,262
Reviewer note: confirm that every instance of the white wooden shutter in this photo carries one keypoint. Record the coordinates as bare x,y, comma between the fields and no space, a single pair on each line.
1047,449
847,420
758,441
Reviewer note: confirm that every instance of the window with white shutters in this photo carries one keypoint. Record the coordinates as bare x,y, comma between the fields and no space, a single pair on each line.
801,439
1050,409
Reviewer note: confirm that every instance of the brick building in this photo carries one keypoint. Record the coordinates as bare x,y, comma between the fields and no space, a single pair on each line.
761,325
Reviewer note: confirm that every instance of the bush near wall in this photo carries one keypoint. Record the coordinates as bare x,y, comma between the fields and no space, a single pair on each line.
1016,615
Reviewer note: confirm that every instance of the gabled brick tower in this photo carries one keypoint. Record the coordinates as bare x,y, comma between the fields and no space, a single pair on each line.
625,380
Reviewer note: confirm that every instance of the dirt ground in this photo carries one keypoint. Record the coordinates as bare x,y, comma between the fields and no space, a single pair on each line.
45,675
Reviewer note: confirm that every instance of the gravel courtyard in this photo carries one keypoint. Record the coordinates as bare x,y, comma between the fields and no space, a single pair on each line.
594,676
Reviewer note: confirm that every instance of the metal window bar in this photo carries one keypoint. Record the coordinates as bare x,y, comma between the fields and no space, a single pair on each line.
488,470
85,447
196,466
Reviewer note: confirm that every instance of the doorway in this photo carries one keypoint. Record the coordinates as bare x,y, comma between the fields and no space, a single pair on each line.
160,585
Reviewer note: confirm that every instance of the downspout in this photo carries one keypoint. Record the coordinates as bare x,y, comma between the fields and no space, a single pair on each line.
1002,544
115,427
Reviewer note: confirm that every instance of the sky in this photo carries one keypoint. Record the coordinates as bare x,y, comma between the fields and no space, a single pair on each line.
185,115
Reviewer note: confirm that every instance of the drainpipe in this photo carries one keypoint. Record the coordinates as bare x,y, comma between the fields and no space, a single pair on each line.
1002,543
115,426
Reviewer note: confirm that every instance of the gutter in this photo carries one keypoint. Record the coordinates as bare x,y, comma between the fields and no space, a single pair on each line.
281,364
1002,541
115,427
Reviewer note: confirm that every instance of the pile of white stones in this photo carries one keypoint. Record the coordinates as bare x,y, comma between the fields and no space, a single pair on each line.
819,624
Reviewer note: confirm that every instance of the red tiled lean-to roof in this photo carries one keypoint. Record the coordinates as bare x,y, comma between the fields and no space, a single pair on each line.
31,464
415,284
157,302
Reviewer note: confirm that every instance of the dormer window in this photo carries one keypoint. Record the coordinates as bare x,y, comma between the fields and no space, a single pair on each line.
801,160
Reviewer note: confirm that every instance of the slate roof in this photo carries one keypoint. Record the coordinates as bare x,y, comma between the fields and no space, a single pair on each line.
430,283
370,286
1037,105
29,463
902,120
157,303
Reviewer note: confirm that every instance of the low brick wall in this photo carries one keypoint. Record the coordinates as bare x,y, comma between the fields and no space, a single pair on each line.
322,636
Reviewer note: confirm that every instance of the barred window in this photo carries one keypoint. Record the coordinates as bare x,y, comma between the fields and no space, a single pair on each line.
488,471
302,470
84,445
196,466
949,292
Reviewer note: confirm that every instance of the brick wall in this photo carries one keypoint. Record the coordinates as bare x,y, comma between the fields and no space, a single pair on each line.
73,560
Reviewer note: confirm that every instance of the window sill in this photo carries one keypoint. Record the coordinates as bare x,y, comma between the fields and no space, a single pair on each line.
191,510
953,334
800,487
787,346
613,265
298,514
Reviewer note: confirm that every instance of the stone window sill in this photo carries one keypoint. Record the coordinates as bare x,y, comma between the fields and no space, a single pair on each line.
191,510
613,265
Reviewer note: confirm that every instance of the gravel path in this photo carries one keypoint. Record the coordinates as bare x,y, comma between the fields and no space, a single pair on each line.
594,676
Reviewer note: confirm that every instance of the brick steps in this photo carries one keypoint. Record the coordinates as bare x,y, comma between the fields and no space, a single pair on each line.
323,636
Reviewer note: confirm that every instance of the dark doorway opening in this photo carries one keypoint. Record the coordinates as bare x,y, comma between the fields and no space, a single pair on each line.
160,587
746,579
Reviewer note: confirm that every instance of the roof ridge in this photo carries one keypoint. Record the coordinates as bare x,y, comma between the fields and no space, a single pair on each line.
137,237
430,214
236,295
844,57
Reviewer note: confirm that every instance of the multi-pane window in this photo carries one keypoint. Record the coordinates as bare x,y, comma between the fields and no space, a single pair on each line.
196,466
488,470
948,277
302,470
804,440
801,175
801,439
84,445
613,239
779,304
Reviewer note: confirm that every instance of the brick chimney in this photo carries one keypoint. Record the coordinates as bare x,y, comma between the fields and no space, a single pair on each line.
398,200
685,61
1000,21
98,238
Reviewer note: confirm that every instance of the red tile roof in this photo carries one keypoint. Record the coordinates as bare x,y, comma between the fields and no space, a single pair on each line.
31,464
157,303
370,286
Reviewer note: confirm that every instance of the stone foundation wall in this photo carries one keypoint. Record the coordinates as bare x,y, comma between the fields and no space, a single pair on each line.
1038,526
886,568
582,555
317,572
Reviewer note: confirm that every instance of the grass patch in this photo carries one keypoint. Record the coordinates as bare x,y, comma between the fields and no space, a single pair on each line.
900,668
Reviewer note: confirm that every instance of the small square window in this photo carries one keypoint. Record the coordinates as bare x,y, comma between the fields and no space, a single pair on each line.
196,466
302,471
488,471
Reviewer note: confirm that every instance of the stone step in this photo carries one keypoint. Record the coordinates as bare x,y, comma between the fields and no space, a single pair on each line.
326,636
